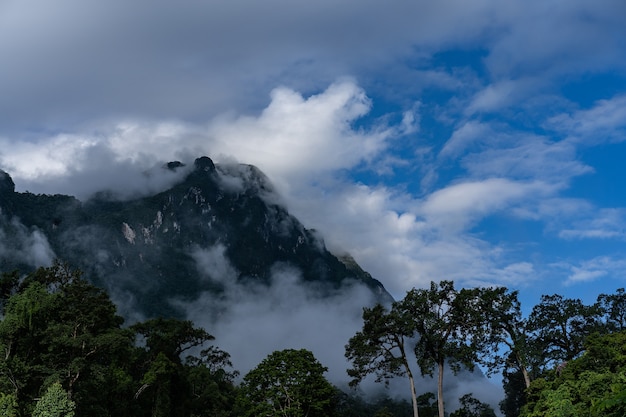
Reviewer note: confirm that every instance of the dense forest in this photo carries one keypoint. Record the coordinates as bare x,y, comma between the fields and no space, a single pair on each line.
66,352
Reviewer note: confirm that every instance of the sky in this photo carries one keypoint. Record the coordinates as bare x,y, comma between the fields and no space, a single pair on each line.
476,141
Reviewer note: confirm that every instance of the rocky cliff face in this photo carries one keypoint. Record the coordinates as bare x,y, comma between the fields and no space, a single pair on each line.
220,222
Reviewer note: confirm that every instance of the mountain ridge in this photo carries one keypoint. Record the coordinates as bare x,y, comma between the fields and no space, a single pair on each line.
147,250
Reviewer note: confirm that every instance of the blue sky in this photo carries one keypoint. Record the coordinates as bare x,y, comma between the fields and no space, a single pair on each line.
480,141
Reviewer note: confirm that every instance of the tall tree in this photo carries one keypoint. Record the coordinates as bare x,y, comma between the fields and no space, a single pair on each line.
380,348
445,322
211,380
288,383
506,336
163,374
559,327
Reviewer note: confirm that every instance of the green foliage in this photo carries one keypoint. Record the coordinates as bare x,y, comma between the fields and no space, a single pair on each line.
471,407
352,405
593,384
560,326
57,327
287,383
514,393
444,320
613,403
379,348
54,403
59,331
170,387
8,285
8,405
212,392
446,326
171,337
450,325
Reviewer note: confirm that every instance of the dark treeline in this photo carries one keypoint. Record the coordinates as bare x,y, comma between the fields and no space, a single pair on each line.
65,352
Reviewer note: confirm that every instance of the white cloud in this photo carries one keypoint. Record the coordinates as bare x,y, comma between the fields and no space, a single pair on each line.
597,224
296,137
526,156
495,97
302,143
574,219
293,139
604,122
458,206
593,269
406,242
465,136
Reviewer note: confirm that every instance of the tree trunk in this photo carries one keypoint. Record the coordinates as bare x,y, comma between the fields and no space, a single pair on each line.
440,390
522,368
526,377
413,393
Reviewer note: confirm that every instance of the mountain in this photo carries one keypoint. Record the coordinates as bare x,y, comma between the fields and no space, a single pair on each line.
175,244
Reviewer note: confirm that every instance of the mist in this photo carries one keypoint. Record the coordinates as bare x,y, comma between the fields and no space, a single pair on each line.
21,245
252,320
97,169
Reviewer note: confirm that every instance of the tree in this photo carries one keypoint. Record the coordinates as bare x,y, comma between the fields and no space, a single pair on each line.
472,407
55,326
21,337
211,383
9,282
448,327
592,384
500,313
58,327
514,393
288,383
163,378
380,348
55,403
559,327
171,337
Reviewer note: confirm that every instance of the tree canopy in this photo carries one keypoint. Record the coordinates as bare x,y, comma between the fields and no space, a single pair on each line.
288,383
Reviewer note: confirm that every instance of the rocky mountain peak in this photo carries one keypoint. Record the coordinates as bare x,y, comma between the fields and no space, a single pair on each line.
204,163
7,186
